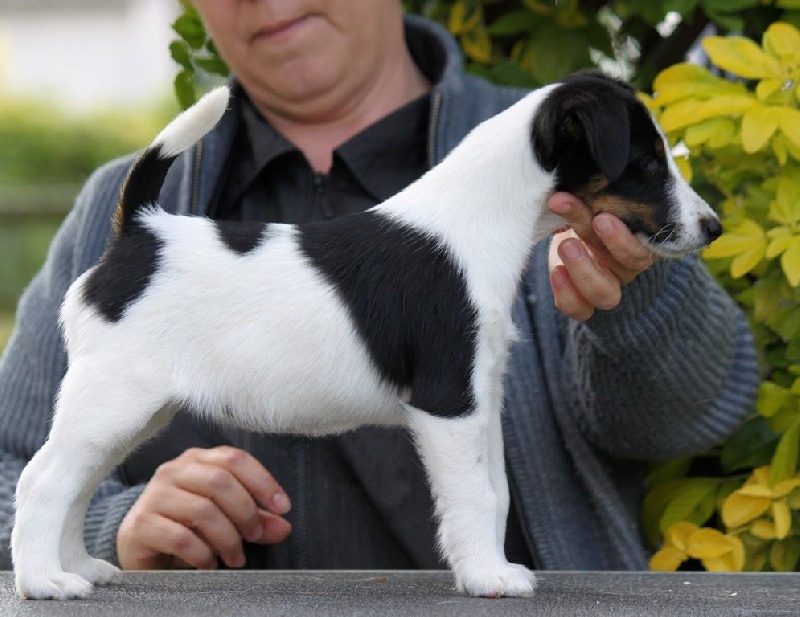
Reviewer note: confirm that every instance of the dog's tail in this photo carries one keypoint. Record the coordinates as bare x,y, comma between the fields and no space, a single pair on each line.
143,184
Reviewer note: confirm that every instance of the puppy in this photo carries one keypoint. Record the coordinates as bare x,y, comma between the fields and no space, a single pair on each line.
397,316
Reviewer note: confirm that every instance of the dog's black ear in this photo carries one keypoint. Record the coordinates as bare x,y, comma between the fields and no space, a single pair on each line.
607,127
578,115
544,136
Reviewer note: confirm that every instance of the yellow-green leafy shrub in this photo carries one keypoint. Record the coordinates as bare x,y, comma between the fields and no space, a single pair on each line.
739,507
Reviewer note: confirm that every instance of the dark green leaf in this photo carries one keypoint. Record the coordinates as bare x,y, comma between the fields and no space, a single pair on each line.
652,11
513,23
684,7
732,23
784,555
547,66
670,470
597,37
211,48
694,502
179,51
656,499
509,73
784,462
793,350
215,66
184,89
750,446
792,17
189,27
729,6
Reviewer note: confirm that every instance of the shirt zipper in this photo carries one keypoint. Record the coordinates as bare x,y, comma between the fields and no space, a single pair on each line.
194,204
321,194
433,125
300,498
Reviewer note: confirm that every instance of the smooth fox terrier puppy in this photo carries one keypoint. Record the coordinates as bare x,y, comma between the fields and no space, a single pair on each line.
400,315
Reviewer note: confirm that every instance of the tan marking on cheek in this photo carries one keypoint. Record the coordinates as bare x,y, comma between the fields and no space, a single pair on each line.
594,185
625,210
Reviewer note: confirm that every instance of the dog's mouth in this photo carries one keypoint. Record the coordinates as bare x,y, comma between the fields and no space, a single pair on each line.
665,250
672,242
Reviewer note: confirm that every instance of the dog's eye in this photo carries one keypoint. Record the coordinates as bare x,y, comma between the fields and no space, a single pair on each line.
649,164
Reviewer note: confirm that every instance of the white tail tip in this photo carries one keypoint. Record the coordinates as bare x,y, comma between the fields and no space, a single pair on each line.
188,127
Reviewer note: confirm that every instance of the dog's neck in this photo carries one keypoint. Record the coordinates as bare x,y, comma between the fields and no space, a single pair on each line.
486,201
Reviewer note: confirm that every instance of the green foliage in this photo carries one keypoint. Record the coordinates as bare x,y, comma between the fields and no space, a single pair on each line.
534,42
6,324
43,145
195,53
24,243
743,139
46,156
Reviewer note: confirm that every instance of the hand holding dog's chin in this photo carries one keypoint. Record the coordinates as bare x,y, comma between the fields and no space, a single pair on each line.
200,507
591,262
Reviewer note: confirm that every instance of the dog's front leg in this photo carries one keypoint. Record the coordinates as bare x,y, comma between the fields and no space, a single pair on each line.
471,500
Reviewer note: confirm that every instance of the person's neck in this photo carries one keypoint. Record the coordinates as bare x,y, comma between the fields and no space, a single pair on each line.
318,126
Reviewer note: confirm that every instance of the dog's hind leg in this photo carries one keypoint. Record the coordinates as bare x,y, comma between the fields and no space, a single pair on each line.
457,454
74,557
100,415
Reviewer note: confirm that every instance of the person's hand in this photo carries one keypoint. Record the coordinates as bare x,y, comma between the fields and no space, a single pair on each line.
200,506
591,262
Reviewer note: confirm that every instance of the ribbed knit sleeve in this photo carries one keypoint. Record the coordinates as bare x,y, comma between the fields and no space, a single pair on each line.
35,361
670,372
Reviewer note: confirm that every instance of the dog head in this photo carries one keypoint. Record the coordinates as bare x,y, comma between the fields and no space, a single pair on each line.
605,148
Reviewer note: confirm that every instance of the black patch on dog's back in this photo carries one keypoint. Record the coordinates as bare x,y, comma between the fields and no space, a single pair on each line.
408,301
124,271
240,238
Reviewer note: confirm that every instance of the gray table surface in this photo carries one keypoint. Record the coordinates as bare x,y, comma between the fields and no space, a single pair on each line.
411,593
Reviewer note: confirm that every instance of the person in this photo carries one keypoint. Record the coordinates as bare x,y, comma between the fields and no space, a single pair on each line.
338,104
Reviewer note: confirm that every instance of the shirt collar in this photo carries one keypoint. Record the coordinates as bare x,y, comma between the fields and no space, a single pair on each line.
383,154
265,143
374,156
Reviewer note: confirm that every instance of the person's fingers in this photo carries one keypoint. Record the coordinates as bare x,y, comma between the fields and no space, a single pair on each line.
220,496
276,528
215,484
629,257
203,517
251,474
576,216
567,298
149,541
599,287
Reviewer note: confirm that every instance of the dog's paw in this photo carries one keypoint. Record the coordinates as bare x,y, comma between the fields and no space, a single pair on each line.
54,586
512,580
97,571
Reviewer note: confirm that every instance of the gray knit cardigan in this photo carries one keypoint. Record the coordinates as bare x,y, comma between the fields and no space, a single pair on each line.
669,373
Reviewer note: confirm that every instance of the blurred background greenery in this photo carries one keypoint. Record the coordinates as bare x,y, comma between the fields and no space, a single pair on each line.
46,156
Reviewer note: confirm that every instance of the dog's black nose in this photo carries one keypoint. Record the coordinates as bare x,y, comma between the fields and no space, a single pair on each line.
711,227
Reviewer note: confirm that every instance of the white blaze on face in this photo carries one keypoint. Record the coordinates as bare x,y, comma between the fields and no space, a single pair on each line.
689,212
